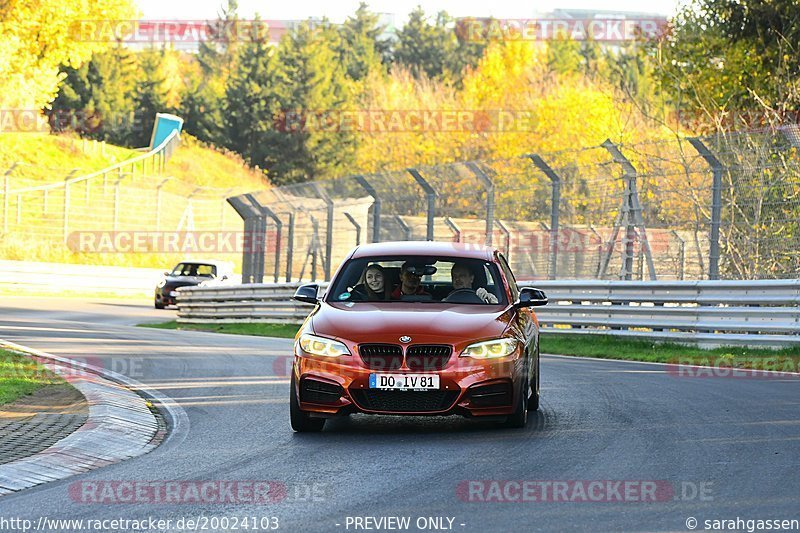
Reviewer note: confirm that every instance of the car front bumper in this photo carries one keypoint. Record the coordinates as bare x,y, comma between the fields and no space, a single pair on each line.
468,387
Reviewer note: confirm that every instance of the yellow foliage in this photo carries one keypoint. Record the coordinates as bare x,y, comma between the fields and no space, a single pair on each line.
37,37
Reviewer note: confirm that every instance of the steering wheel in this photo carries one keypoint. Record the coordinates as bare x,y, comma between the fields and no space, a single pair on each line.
463,296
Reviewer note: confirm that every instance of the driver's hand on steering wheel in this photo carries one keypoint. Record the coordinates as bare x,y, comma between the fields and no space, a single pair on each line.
486,296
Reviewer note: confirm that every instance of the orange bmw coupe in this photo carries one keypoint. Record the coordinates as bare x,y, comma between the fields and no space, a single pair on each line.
418,328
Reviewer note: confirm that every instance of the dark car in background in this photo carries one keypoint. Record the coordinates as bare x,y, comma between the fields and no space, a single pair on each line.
190,274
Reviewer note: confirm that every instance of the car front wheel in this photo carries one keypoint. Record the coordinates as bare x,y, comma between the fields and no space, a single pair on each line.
302,422
533,400
519,418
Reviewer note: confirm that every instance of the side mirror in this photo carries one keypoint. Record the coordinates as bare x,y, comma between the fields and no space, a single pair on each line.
166,273
307,293
530,297
224,277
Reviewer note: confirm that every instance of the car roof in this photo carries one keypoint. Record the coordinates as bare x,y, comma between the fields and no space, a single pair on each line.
212,262
447,249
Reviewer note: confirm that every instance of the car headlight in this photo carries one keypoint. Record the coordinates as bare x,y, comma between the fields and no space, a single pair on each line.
321,346
491,349
161,283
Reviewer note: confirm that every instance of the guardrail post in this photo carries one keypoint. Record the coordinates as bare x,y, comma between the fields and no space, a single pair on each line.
454,228
65,213
376,207
430,193
555,208
633,210
328,229
356,225
717,169
488,185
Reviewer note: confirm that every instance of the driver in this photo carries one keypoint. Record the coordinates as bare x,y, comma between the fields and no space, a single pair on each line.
462,277
410,281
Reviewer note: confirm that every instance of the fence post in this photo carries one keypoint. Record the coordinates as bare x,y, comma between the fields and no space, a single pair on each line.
555,205
431,195
454,228
717,170
290,247
6,179
65,213
403,226
633,209
116,200
158,203
328,229
681,255
376,207
222,209
488,185
264,210
507,233
248,217
355,225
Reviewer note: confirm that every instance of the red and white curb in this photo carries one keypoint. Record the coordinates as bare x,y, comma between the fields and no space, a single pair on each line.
120,424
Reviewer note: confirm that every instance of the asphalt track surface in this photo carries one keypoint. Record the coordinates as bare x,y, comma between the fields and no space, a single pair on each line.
736,439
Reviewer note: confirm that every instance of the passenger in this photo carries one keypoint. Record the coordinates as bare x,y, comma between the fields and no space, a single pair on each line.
410,281
373,285
463,278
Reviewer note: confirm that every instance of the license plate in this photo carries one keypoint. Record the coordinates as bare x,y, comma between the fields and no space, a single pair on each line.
404,381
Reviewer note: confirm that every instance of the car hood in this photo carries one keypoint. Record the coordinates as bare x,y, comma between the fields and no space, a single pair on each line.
183,281
434,323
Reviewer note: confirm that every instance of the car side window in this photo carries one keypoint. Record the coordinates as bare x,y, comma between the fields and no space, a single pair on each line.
512,281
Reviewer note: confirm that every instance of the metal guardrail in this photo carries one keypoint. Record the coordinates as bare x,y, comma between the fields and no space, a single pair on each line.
711,313
25,277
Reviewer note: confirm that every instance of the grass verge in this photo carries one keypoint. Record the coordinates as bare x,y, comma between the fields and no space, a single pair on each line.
599,346
610,347
284,331
20,375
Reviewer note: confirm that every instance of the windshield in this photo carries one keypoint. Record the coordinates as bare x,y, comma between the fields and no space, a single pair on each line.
194,269
419,279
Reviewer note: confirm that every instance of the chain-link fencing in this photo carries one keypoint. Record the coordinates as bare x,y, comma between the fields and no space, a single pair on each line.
719,207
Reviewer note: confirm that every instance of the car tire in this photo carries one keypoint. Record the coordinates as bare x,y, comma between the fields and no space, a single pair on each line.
533,400
519,418
302,422
159,305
